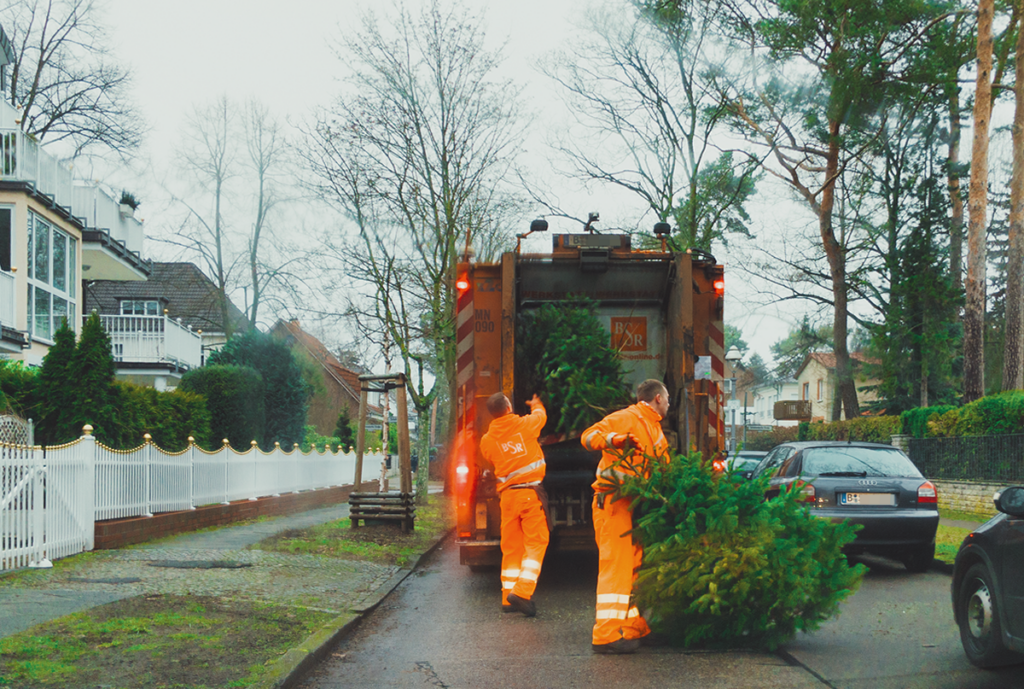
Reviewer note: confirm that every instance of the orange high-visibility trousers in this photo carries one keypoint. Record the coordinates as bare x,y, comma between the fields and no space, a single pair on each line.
618,559
524,540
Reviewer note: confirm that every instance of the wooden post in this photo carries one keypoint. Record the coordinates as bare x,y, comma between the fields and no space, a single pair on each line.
361,435
404,456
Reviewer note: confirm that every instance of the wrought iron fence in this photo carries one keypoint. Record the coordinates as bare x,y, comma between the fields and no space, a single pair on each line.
990,458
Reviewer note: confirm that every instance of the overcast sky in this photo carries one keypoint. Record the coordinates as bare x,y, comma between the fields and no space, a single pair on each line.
192,51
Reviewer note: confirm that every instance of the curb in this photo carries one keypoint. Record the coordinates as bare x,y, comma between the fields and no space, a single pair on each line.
292,667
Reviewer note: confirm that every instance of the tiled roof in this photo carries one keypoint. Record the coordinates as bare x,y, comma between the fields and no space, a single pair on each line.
183,289
828,359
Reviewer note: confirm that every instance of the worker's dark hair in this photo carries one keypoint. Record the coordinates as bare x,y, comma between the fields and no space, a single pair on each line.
497,405
649,389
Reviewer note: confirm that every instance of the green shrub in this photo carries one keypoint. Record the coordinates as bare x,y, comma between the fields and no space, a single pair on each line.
868,429
564,356
234,398
764,441
18,384
944,425
321,443
345,430
993,415
723,567
915,421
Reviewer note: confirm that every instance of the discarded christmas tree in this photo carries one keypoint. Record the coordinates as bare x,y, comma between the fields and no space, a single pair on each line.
723,567
564,355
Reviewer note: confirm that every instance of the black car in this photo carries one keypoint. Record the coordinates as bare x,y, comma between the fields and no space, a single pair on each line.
874,485
988,585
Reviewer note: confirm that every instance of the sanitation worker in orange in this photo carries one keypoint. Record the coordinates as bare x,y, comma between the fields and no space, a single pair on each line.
633,433
510,444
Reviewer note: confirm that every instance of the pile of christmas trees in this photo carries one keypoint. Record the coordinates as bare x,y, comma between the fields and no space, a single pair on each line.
564,355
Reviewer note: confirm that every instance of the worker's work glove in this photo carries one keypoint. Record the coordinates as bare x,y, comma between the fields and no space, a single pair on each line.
625,441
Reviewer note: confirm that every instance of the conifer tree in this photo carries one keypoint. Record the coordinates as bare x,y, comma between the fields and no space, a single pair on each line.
92,372
55,390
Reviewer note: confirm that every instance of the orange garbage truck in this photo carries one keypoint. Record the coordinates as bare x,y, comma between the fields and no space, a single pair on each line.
663,313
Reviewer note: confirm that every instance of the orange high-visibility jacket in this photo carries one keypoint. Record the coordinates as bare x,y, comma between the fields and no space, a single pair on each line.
639,419
510,444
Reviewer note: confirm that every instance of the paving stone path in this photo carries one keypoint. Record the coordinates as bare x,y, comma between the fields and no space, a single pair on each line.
212,563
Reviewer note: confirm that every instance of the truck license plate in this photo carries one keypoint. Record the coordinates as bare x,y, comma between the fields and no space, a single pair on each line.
887,499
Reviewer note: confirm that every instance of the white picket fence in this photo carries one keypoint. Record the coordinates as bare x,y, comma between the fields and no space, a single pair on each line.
52,497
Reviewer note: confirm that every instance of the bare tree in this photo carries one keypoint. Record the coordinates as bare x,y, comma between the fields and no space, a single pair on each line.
65,81
236,161
415,152
643,94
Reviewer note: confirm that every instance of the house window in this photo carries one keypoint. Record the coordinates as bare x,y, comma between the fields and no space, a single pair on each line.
821,388
52,261
6,220
140,307
805,393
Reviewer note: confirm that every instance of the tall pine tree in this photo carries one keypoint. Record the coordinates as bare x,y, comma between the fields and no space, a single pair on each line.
55,393
92,370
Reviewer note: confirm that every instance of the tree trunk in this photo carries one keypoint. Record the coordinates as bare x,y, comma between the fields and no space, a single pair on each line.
1013,351
974,311
837,270
956,220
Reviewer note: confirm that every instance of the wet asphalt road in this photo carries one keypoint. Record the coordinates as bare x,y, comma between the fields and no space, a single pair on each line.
443,627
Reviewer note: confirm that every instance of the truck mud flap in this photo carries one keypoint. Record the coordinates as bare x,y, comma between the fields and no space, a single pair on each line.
479,553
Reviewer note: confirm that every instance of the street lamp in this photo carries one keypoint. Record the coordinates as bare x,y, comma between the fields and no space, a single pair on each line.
733,356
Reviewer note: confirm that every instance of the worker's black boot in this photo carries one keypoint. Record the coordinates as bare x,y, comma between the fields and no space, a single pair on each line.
522,605
618,647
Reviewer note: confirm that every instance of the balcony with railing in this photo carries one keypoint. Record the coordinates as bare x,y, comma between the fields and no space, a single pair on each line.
113,235
158,341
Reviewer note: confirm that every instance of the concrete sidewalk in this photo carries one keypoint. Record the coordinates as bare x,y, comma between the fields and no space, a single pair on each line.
212,563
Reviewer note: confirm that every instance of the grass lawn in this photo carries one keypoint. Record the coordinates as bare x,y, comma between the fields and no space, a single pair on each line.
383,543
949,538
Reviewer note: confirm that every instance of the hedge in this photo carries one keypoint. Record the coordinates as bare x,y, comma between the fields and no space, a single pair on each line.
869,429
763,441
234,395
915,421
169,417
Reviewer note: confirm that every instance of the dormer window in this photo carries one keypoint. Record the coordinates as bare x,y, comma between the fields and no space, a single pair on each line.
140,307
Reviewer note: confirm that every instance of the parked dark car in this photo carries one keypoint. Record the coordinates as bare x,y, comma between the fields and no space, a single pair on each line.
988,585
874,485
743,462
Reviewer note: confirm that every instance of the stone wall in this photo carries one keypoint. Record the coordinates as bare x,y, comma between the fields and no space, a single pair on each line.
968,496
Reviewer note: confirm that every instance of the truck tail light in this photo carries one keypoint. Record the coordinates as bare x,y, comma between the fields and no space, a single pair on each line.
718,465
720,286
462,283
927,493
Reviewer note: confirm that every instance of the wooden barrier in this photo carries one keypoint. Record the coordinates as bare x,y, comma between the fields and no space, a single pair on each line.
391,506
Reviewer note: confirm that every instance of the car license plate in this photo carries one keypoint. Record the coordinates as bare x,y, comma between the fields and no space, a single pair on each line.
887,499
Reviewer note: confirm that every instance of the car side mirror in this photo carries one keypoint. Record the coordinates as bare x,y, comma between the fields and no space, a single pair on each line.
1010,501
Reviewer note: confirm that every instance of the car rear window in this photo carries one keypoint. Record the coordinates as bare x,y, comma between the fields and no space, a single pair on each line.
875,461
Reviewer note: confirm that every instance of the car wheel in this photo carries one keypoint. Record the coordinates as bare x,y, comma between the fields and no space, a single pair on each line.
920,559
978,612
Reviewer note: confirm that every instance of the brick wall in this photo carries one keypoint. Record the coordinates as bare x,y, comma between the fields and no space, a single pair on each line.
117,533
968,496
